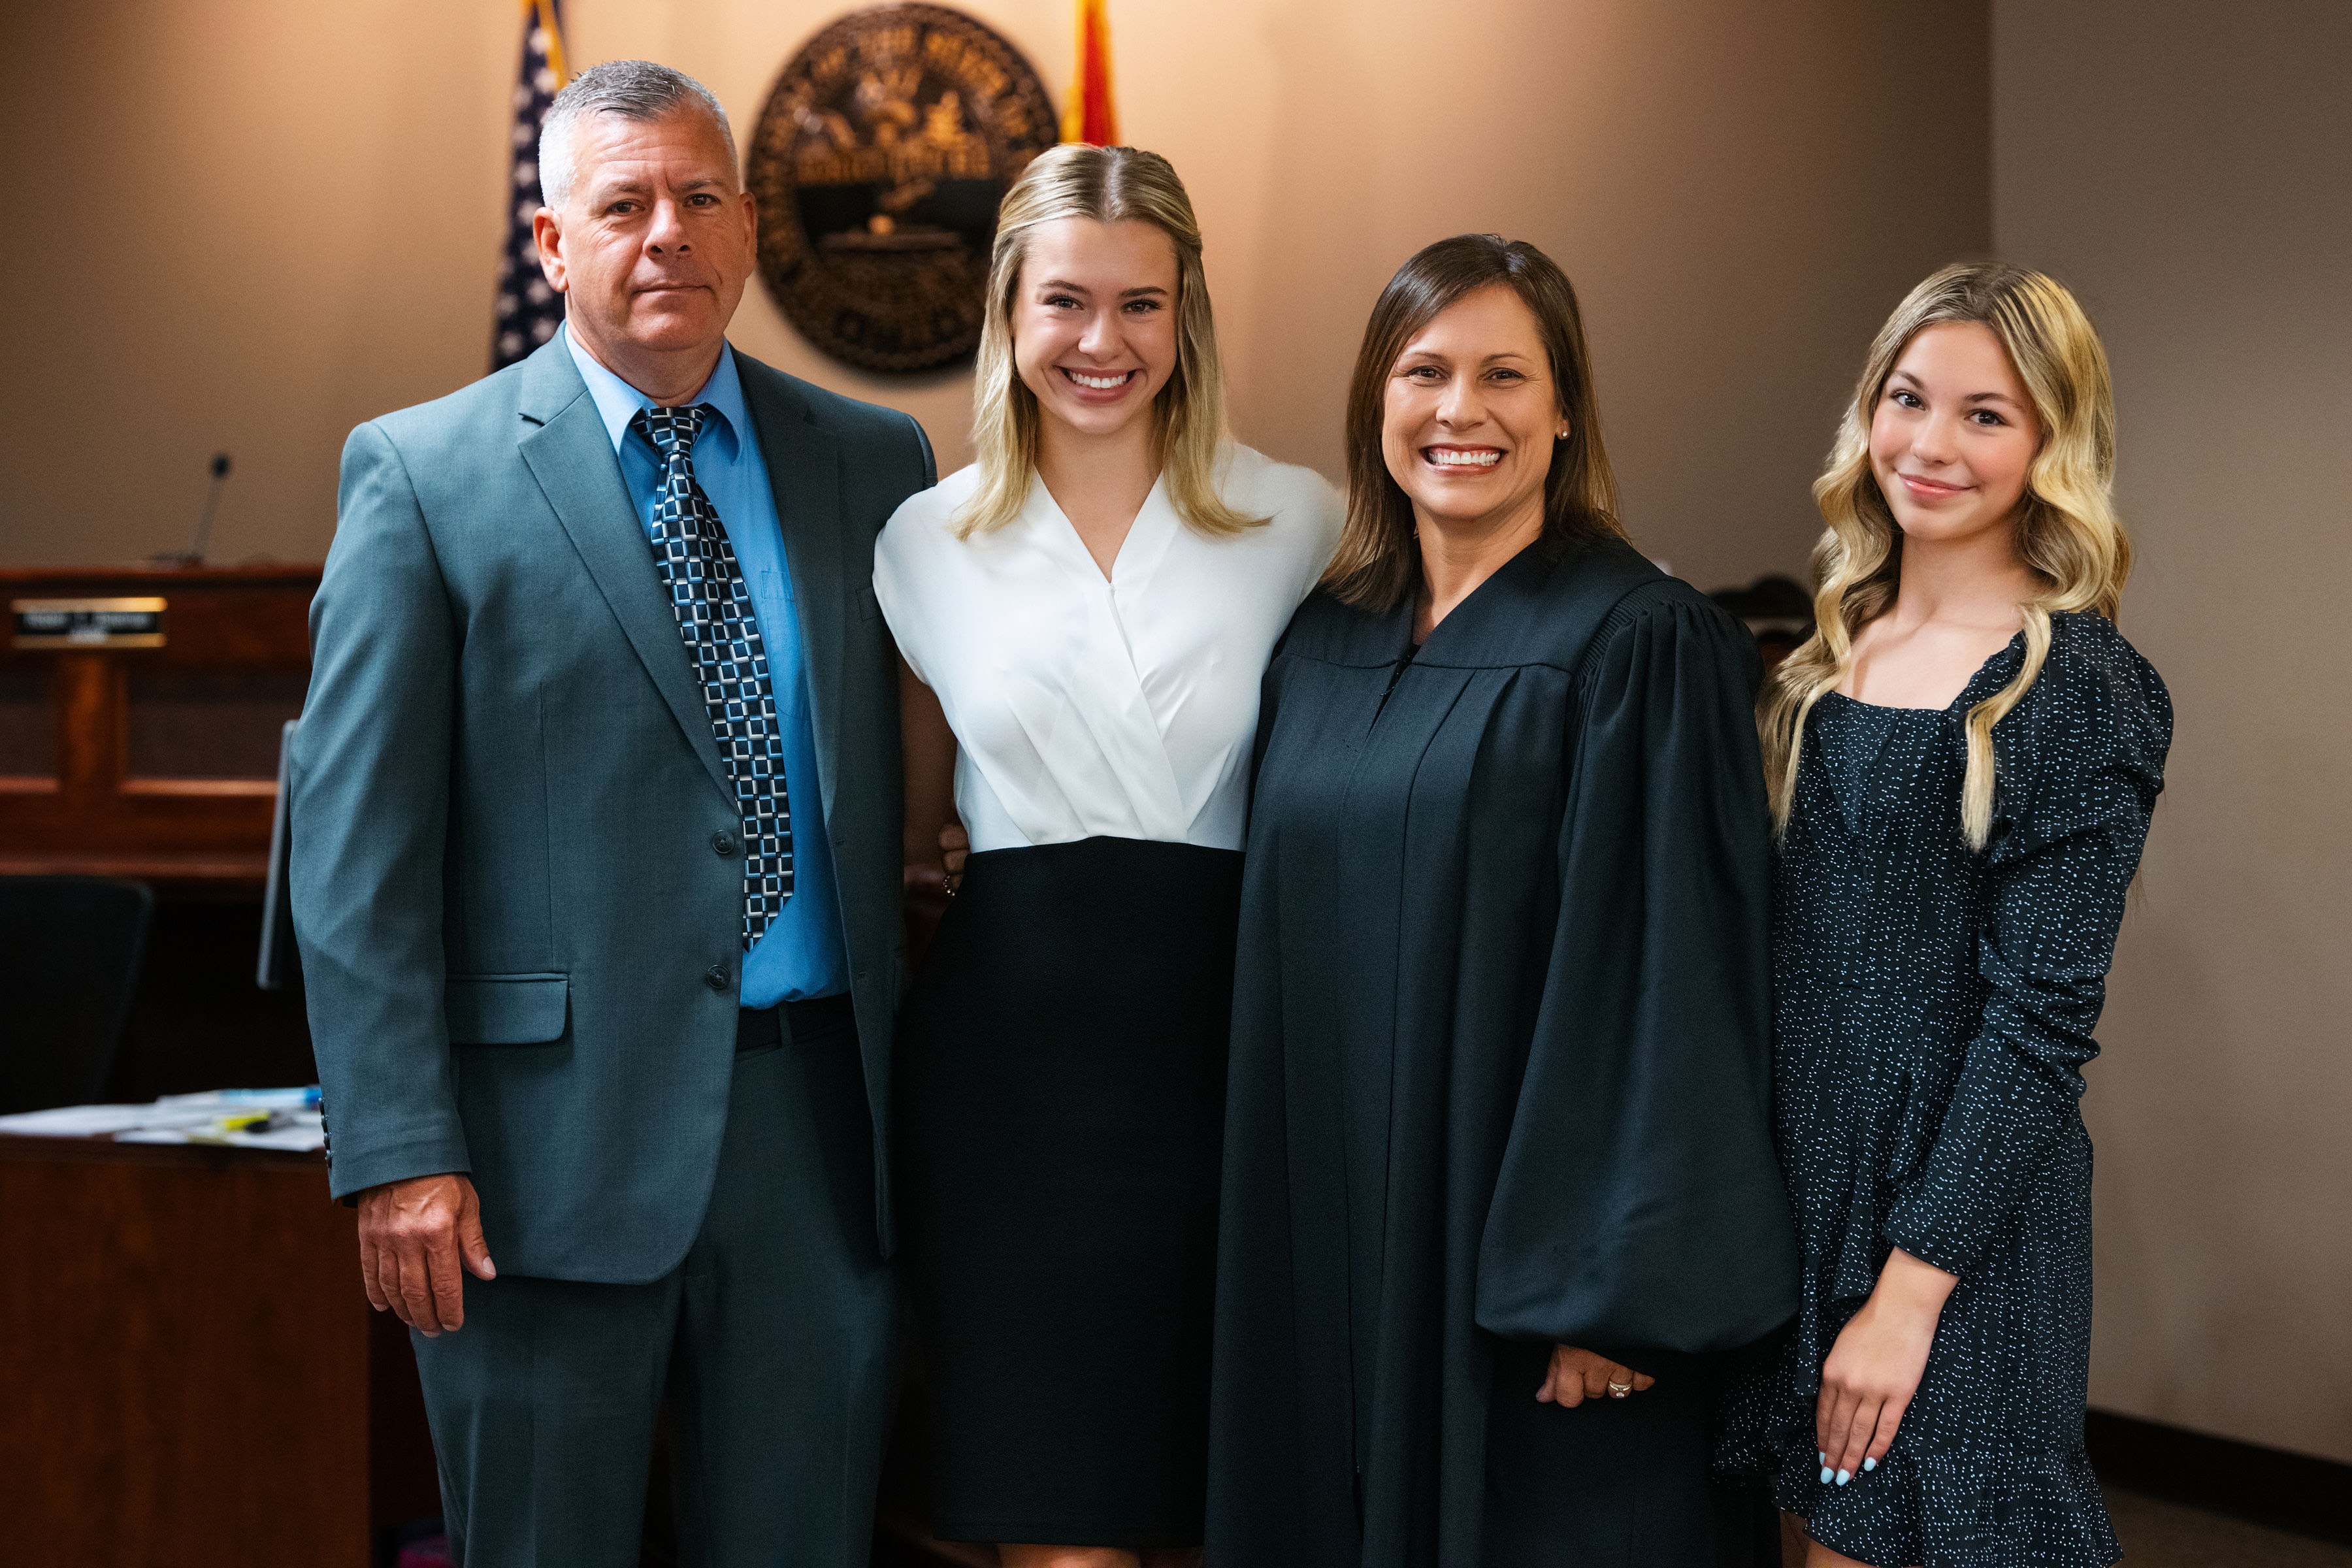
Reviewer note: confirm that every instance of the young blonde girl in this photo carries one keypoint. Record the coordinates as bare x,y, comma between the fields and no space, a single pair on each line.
1085,613
1962,760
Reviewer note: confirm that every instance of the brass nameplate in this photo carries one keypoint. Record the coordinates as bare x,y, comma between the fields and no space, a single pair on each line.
89,623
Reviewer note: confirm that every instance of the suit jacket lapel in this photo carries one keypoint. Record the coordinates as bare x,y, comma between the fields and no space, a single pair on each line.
566,447
803,473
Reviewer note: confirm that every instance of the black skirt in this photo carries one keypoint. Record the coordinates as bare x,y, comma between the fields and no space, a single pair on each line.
1060,1104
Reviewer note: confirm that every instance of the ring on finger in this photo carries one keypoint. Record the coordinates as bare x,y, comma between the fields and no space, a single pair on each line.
1620,1390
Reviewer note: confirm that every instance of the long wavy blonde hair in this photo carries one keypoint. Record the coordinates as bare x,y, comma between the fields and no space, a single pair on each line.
2067,531
1108,184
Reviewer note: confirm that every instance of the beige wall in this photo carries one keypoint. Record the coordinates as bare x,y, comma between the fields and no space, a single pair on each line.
253,222
2186,167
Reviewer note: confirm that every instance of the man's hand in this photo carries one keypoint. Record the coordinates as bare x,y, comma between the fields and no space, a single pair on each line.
417,1240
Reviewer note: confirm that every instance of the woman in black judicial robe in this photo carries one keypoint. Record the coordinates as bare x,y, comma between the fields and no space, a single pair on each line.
1498,1118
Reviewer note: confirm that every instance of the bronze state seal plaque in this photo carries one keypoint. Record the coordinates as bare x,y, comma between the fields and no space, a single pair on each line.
878,162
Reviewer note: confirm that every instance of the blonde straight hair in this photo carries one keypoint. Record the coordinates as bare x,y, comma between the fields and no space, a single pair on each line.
2067,531
1108,184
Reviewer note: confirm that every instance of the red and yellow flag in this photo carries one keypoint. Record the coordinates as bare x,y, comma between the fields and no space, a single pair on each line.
1089,117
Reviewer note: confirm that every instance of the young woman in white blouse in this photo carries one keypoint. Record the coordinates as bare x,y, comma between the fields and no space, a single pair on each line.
1085,614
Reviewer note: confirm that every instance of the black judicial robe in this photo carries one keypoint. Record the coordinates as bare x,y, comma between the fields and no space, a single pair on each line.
1500,1049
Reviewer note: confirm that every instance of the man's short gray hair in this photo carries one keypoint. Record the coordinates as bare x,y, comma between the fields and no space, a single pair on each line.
634,90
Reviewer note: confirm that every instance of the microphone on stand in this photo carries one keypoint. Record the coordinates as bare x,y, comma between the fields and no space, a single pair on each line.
195,556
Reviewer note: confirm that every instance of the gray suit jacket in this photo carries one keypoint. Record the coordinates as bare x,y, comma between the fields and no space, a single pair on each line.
520,947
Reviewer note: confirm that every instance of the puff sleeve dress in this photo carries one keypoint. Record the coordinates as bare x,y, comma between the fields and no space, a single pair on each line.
1934,1010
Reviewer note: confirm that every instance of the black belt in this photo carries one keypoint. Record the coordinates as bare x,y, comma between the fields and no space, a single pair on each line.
756,1028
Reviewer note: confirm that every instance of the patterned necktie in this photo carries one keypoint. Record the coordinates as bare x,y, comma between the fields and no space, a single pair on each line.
713,607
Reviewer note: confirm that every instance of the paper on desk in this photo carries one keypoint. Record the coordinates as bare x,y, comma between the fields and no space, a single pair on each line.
293,1140
88,1120
304,1135
186,1119
225,1101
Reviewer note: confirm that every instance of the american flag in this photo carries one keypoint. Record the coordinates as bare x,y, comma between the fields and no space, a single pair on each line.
528,310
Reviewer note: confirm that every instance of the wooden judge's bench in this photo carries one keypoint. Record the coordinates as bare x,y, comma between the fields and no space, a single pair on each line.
139,714
148,754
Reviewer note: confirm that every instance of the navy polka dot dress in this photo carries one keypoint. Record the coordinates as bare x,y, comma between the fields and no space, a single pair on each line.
1934,1010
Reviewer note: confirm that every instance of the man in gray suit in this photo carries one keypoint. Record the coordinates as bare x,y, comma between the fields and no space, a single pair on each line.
596,815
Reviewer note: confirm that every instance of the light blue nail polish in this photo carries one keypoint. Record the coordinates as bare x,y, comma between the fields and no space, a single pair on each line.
1826,1474
1870,1463
1825,1459
1844,1475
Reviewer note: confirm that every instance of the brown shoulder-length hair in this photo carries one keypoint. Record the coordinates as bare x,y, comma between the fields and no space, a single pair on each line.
1377,565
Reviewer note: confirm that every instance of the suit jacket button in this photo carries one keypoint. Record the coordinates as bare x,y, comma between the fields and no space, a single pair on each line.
724,846
717,977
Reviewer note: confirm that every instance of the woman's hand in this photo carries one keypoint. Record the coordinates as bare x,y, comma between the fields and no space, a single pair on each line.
1875,1368
954,844
1577,1375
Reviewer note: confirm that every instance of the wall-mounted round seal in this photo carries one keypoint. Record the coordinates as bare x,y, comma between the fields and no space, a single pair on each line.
878,161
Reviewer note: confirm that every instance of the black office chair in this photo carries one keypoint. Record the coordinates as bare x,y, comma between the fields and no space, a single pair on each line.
69,953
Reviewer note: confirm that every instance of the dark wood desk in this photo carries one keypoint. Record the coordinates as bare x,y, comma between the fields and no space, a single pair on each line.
191,1373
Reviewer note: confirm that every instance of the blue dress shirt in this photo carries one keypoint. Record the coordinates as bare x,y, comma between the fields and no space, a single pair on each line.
802,953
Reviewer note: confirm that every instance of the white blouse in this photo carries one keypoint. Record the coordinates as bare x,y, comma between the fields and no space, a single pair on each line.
1086,707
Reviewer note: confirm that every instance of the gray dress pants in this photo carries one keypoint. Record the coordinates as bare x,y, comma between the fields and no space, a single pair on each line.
771,1343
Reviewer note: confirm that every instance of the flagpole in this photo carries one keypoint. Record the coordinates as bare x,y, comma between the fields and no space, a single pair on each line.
547,24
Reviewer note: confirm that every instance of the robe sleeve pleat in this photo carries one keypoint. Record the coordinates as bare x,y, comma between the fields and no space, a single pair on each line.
1639,1203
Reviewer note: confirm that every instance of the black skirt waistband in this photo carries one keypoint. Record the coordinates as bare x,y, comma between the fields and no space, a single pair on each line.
1145,865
